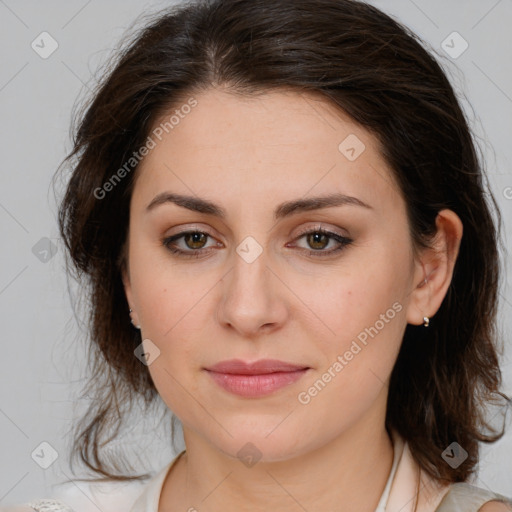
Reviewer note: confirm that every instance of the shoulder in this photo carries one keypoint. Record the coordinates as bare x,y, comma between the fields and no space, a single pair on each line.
84,496
17,508
463,496
496,506
105,496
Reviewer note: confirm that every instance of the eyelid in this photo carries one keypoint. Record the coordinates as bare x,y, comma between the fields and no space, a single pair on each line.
303,231
320,227
169,239
192,228
341,240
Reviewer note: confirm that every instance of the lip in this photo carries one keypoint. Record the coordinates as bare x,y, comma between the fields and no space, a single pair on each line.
255,379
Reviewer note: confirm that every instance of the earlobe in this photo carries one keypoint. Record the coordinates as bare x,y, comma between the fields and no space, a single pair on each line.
434,270
420,304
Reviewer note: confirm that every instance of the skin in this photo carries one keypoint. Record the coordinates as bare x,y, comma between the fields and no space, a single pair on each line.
495,506
249,154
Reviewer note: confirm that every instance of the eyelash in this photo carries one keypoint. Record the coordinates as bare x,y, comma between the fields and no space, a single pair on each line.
197,253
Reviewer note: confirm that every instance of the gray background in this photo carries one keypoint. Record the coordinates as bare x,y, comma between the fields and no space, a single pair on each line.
43,360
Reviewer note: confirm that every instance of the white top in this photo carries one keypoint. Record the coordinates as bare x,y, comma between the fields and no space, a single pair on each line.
143,496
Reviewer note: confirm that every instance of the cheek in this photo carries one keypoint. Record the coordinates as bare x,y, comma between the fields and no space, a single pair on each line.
359,357
354,298
357,363
174,333
166,297
358,326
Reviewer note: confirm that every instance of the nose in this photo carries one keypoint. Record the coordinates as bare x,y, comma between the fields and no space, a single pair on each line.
254,299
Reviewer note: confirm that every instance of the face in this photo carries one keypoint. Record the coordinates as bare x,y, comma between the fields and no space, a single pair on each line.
271,275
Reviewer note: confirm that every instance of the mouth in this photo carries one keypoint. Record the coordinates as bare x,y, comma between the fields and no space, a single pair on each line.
256,379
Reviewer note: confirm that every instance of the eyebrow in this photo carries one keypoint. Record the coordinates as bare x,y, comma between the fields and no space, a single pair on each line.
285,209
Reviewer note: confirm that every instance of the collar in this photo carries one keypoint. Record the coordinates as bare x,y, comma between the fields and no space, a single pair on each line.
150,497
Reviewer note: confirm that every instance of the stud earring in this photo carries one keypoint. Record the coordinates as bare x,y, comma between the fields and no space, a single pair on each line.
136,326
426,321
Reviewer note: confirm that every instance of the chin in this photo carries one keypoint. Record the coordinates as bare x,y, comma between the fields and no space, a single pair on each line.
255,444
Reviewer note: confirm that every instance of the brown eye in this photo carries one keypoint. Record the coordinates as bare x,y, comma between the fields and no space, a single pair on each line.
188,244
195,240
317,240
193,243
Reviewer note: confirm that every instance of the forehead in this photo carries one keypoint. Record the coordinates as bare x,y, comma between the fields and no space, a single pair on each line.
295,143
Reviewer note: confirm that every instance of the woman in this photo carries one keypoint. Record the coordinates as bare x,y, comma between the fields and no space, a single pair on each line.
285,198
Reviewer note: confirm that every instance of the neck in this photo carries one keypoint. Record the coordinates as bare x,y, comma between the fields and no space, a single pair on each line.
349,473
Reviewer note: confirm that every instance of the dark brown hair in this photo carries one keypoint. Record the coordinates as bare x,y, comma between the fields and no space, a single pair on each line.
369,66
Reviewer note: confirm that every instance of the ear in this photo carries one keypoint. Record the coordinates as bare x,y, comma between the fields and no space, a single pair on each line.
125,276
436,265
